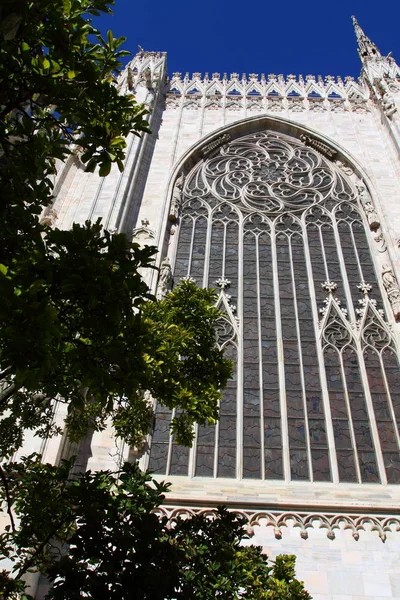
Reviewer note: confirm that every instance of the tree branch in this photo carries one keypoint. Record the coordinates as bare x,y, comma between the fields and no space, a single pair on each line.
6,372
8,498
7,393
31,561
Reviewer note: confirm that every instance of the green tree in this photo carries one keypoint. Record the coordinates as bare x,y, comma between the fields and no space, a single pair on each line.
78,325
118,548
77,322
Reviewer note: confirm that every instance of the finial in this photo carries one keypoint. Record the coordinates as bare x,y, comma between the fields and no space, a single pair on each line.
366,48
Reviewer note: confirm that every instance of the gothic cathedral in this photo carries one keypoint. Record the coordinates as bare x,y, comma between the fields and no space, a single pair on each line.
283,193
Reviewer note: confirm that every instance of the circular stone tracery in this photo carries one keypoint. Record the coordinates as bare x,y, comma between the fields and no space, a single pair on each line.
268,172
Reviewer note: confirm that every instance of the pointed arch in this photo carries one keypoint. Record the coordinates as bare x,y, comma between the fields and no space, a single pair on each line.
284,223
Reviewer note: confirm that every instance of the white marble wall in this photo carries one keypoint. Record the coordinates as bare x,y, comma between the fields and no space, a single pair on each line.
338,569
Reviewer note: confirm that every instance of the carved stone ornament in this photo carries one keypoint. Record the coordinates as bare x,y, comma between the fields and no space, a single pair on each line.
303,521
176,200
49,217
165,279
208,148
258,173
319,146
347,169
373,219
380,240
392,289
388,104
143,233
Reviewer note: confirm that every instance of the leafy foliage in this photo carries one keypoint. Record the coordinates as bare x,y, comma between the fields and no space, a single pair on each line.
74,323
119,548
78,325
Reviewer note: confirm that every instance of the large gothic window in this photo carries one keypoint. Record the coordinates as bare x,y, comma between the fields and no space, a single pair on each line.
277,229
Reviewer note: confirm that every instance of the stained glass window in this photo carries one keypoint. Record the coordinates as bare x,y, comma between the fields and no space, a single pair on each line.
315,395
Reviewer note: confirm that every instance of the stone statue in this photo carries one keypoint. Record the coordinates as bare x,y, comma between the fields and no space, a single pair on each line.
372,217
392,289
388,104
49,217
176,200
363,194
164,281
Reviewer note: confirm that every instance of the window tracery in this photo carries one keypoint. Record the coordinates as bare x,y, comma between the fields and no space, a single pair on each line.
281,231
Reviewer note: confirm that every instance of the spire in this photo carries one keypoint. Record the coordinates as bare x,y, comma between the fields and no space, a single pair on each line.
366,48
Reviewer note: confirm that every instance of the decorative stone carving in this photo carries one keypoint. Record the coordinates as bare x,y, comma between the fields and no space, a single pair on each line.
172,102
165,278
388,104
304,521
192,105
143,233
380,240
213,105
176,200
373,219
363,194
337,106
392,289
234,105
347,169
223,283
316,105
188,278
275,106
208,148
319,146
260,181
49,217
296,105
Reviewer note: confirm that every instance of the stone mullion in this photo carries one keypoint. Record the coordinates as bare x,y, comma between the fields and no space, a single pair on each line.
346,286
301,366
356,251
216,442
260,360
281,365
323,252
191,245
350,417
371,415
321,364
225,224
169,456
193,453
390,402
239,390
207,250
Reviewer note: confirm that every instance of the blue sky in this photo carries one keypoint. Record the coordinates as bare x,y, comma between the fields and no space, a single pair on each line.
257,36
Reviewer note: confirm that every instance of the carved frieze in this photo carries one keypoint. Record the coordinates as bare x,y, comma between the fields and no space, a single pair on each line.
208,148
303,521
319,146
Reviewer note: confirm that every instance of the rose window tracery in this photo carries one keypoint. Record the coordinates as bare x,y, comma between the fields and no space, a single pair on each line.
315,394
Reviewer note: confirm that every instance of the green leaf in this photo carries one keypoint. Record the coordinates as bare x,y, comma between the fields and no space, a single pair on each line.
10,25
105,168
